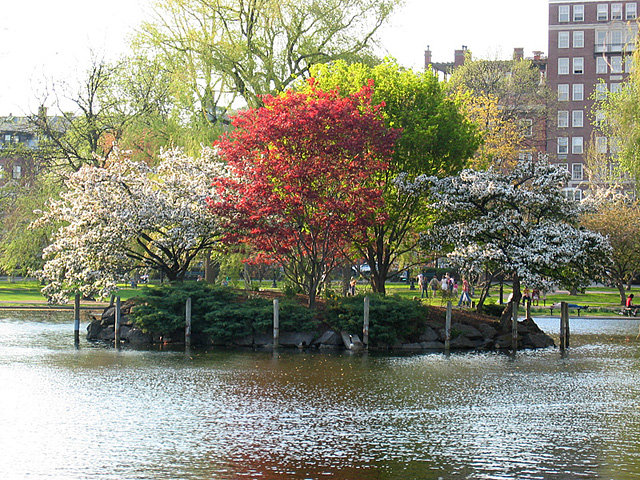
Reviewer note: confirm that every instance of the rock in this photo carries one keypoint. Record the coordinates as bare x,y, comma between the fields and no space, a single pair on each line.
503,342
262,340
537,340
462,342
329,338
487,331
138,337
432,345
468,331
94,329
243,341
108,317
298,339
429,335
107,333
410,346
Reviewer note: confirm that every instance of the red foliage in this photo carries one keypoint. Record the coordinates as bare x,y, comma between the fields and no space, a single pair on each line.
303,169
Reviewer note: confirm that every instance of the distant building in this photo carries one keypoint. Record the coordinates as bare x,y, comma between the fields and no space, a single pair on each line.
16,132
590,52
533,122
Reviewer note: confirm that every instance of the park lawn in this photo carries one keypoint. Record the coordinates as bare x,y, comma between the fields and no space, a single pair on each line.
599,299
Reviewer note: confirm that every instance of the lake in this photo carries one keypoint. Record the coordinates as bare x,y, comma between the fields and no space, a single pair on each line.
96,413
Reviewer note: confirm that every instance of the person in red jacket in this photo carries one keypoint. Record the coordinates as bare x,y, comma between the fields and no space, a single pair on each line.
630,305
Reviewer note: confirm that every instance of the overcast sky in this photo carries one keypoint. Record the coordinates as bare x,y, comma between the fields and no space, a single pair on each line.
53,39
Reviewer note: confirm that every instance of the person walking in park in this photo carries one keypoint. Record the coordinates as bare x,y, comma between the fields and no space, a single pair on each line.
423,285
435,284
465,298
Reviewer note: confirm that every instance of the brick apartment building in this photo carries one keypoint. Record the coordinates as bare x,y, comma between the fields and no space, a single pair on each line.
589,53
590,47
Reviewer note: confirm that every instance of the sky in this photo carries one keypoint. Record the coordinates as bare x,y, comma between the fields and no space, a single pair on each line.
44,39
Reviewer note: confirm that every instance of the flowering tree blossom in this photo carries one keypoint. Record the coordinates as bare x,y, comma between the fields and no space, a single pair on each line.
302,185
129,215
518,224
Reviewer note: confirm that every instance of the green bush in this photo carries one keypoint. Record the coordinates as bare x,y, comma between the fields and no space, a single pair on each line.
391,318
219,312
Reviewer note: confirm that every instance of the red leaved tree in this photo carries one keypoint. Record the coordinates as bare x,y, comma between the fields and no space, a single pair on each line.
302,184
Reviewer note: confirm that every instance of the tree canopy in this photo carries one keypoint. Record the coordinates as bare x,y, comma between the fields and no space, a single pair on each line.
303,182
519,224
436,139
220,49
127,216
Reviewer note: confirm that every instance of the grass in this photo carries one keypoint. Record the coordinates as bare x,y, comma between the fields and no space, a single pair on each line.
600,299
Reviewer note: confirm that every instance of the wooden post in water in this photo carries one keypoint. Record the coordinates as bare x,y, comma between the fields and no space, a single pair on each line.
116,326
514,326
564,326
528,309
365,328
447,328
187,321
276,323
76,319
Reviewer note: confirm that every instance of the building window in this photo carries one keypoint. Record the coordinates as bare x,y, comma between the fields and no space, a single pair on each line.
564,166
601,91
525,156
601,41
616,11
578,13
7,138
572,194
577,119
599,118
563,145
628,64
17,171
615,87
603,12
576,145
563,66
601,65
578,65
576,172
616,41
563,39
527,127
578,39
631,11
563,119
578,92
563,13
616,64
601,144
563,92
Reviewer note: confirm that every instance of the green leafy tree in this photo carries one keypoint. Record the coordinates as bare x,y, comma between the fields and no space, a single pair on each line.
436,139
499,95
217,50
617,117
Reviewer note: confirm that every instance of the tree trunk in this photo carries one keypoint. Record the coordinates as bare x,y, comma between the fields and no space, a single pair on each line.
346,277
623,294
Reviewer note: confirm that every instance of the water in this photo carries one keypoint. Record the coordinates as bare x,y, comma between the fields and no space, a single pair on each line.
97,413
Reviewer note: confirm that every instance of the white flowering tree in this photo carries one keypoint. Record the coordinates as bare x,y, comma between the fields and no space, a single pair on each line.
519,225
129,216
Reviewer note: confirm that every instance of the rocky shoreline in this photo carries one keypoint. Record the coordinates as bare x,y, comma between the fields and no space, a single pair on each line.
469,335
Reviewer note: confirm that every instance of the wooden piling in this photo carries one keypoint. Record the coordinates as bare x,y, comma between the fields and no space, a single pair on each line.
447,327
365,328
276,323
116,326
514,326
528,308
76,319
564,326
187,321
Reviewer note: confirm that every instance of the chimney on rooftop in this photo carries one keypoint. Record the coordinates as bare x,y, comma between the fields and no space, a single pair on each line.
459,56
427,58
518,53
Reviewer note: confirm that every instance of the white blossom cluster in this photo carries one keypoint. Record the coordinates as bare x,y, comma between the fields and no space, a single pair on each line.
129,215
519,223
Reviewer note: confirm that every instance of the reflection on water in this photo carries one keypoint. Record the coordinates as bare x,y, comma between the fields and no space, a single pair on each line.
98,413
